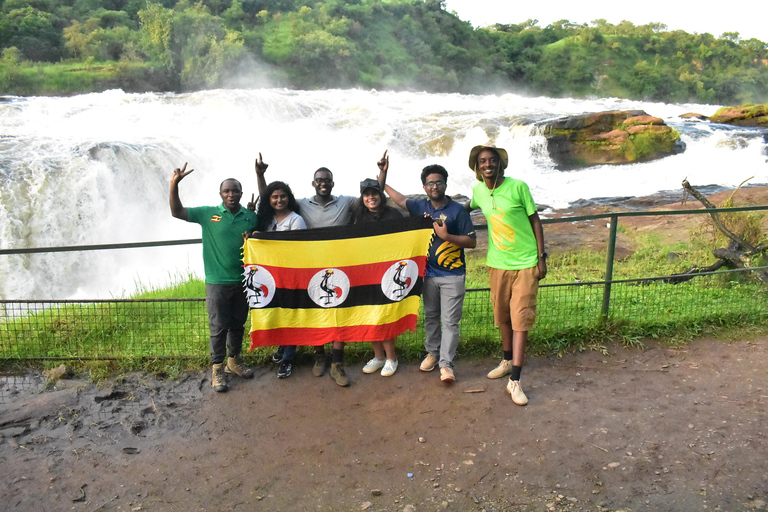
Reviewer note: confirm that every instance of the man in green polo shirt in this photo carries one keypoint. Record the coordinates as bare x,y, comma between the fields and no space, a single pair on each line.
223,227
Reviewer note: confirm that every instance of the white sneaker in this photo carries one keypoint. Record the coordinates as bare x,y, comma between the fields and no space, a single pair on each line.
504,368
516,392
390,367
373,365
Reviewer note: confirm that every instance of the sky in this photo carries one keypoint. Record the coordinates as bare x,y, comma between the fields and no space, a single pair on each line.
747,17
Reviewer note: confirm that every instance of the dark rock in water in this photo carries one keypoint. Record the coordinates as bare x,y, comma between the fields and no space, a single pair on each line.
600,201
693,115
748,115
615,137
765,139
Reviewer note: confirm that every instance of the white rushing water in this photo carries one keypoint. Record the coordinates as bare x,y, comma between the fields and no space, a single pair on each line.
95,168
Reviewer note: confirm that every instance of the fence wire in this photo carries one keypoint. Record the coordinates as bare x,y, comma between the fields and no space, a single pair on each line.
178,328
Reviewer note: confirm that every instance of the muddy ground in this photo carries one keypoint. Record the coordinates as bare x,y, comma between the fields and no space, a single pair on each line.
657,429
663,429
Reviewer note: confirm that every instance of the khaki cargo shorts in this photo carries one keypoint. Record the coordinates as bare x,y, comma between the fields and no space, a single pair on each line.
513,295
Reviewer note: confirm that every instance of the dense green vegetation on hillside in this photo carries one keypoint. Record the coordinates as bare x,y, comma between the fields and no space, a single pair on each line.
59,47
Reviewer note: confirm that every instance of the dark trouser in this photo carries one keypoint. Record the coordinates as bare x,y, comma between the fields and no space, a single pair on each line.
227,313
289,352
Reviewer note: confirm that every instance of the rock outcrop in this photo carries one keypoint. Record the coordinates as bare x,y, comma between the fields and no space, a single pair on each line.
615,137
745,115
693,115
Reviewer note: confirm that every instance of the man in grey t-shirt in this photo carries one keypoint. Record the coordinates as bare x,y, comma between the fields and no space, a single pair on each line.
320,211
323,209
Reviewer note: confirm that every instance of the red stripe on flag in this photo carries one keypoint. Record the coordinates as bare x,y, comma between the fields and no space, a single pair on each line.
320,336
359,275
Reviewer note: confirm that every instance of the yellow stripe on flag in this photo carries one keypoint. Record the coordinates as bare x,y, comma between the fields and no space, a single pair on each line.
336,253
279,318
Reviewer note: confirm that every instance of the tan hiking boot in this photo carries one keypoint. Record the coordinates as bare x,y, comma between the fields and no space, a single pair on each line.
339,375
318,369
447,375
516,392
429,363
235,365
504,368
219,378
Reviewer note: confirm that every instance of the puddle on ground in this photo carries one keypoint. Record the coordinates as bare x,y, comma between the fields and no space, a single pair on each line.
14,386
128,405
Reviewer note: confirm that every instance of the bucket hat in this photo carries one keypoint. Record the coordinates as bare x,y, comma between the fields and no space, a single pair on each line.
476,151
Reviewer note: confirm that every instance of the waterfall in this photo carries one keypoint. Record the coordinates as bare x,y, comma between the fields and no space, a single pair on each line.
95,168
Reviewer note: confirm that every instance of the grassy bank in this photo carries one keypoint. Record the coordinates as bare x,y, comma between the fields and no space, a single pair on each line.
77,77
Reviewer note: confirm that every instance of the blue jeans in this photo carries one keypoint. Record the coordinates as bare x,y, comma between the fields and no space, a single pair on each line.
288,352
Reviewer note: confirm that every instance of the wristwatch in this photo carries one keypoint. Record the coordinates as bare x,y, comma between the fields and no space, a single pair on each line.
543,255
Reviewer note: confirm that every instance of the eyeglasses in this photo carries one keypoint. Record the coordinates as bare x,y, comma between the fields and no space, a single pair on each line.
323,180
431,184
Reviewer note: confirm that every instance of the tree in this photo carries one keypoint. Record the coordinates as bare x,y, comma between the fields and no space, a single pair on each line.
33,32
156,28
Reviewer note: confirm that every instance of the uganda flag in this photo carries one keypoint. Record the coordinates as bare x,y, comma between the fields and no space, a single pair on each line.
344,283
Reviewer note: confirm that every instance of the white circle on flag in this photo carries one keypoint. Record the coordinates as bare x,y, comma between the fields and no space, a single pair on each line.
259,286
399,279
329,288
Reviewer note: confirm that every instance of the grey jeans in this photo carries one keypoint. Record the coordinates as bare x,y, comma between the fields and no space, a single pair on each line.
443,301
227,313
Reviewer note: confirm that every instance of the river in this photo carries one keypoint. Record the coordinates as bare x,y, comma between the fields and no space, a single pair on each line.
95,168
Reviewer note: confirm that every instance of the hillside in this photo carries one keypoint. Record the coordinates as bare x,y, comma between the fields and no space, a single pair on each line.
70,47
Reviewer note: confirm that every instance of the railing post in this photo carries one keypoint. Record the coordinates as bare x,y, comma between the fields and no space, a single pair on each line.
609,266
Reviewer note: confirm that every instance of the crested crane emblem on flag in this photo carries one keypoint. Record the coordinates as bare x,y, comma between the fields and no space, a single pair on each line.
399,279
329,288
344,283
259,286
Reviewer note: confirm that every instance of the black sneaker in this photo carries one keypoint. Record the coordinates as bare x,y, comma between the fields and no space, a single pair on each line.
285,370
278,355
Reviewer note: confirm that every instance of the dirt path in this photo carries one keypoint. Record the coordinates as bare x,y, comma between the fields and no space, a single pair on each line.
655,429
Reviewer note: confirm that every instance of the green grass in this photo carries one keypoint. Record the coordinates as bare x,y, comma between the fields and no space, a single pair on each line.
167,338
75,77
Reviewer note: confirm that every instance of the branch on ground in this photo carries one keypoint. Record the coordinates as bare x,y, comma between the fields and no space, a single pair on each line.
738,254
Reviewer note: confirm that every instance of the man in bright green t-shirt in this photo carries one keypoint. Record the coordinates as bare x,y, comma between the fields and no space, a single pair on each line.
516,257
223,227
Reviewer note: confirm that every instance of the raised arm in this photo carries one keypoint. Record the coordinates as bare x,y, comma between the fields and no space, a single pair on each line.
261,168
396,196
538,232
383,167
177,209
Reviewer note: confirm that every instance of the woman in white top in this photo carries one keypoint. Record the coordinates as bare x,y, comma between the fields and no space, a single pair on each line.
277,212
277,209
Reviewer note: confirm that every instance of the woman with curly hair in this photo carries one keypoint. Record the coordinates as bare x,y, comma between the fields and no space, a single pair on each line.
277,209
277,212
